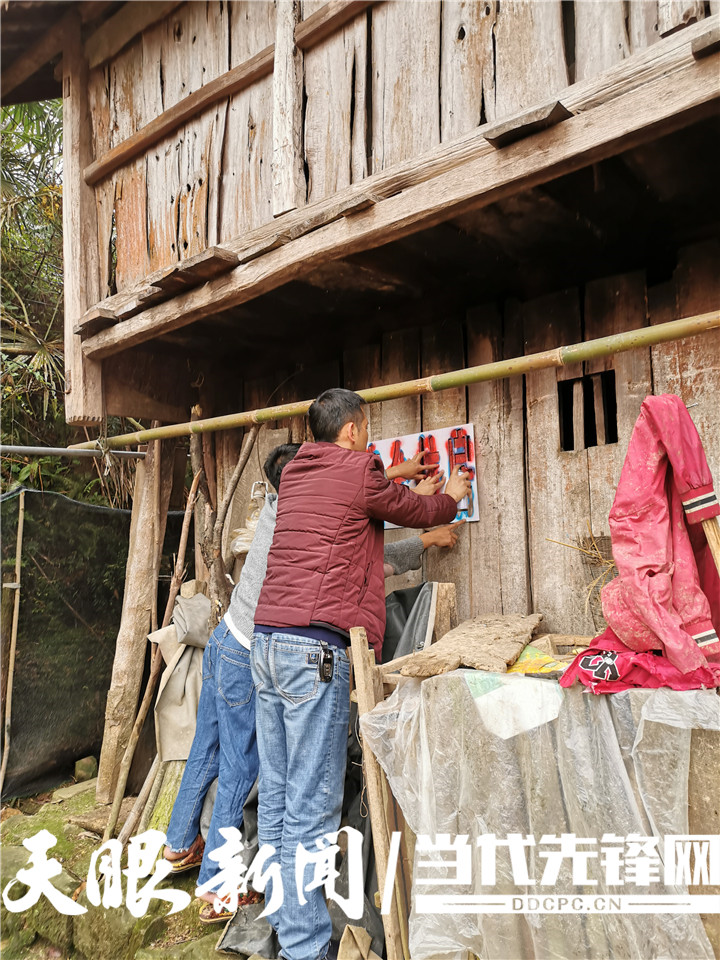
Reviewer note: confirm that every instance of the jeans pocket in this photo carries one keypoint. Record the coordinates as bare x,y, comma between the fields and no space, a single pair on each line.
235,682
295,669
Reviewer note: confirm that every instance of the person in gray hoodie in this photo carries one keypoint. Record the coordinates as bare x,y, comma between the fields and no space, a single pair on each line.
225,744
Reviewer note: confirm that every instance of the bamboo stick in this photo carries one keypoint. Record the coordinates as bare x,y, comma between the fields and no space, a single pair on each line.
13,635
575,353
712,532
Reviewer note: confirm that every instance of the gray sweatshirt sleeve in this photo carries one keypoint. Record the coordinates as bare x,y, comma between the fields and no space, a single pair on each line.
404,555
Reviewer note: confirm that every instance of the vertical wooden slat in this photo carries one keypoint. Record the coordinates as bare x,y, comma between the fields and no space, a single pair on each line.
498,541
467,78
288,175
335,112
362,367
558,486
245,171
601,38
400,361
614,305
643,24
83,377
690,368
406,80
442,350
530,54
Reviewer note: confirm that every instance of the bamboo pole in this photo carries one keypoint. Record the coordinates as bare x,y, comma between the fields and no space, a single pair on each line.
13,635
559,357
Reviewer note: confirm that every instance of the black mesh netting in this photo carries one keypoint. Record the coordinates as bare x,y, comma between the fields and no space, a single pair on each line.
73,575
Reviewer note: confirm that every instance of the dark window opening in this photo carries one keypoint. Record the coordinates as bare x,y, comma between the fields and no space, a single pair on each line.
587,408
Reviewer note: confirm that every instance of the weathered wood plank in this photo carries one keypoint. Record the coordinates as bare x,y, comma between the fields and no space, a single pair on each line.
614,305
406,81
498,541
530,57
120,29
643,26
442,349
628,119
245,172
362,367
467,76
400,358
83,380
147,528
601,38
335,113
687,368
558,488
289,187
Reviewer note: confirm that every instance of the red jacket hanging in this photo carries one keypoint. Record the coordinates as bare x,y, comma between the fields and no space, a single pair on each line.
667,592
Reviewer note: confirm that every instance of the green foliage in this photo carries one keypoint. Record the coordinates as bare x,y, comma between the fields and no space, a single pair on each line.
31,311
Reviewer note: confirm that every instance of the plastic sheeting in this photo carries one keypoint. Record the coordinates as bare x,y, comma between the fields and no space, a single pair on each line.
471,753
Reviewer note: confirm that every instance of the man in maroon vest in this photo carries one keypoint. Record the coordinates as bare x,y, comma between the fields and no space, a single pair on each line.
324,576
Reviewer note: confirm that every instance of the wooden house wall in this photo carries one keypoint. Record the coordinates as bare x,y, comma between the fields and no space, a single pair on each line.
387,86
537,502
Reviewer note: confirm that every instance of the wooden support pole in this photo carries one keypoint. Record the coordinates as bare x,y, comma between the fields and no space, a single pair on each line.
83,379
369,692
13,635
156,668
498,370
288,177
136,615
712,532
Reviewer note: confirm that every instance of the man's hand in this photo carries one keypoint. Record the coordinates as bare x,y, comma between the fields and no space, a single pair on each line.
409,469
442,536
430,485
458,486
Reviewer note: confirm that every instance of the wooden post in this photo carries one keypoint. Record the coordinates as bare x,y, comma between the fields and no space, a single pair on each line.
369,692
287,166
83,376
13,635
136,614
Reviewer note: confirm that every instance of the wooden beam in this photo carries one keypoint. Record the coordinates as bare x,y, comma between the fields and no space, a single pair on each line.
288,178
526,123
83,379
123,27
47,47
327,20
461,180
312,31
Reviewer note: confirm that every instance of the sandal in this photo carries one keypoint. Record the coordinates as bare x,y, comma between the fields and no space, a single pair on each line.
192,857
208,914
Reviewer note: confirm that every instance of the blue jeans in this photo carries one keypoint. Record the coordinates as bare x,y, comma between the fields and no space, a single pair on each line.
225,746
302,726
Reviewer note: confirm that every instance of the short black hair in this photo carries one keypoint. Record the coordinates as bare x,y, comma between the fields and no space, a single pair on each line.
332,410
277,460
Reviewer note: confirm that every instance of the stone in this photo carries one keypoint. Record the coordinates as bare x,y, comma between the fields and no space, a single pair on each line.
115,934
86,769
66,793
44,920
8,812
484,643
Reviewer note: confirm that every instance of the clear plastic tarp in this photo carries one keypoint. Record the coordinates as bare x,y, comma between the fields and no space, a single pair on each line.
474,754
